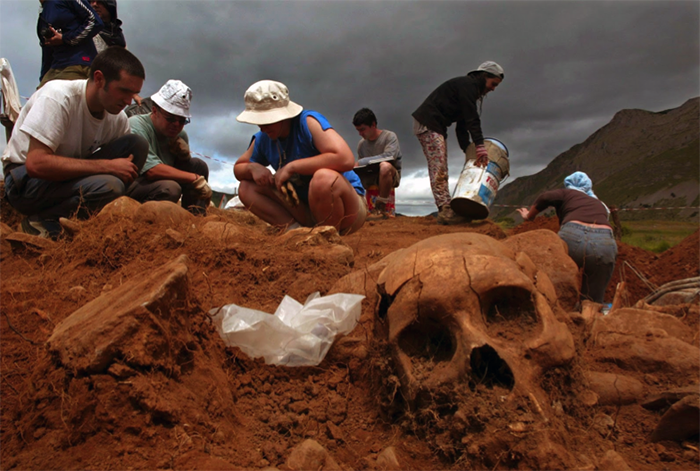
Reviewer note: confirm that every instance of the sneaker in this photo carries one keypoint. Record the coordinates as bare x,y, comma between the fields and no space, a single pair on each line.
447,216
41,228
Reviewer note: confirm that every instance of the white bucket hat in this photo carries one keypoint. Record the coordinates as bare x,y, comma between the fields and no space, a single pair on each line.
490,67
267,102
174,97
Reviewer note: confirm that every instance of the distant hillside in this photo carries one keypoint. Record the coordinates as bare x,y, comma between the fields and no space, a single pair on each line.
640,159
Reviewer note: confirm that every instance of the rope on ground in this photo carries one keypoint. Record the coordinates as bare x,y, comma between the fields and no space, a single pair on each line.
649,284
619,209
677,285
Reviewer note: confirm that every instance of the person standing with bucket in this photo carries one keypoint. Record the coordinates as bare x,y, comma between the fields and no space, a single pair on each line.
455,100
584,226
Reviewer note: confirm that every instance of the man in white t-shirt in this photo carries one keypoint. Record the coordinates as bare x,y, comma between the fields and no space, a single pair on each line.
379,155
71,151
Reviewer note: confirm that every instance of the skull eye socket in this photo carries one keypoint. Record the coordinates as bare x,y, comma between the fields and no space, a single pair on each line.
509,312
427,341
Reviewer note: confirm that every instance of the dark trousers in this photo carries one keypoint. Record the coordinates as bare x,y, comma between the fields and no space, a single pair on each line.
595,251
50,200
143,190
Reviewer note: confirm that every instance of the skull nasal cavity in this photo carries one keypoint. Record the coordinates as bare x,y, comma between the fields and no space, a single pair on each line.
489,369
427,339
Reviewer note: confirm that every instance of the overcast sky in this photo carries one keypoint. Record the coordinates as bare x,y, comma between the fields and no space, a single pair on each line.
569,66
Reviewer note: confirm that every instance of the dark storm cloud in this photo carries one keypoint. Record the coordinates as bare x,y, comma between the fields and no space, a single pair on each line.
569,66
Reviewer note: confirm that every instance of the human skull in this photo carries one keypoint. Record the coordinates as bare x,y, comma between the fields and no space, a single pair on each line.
465,308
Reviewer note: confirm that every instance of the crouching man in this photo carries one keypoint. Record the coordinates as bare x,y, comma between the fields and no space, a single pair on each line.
170,171
314,183
70,150
379,162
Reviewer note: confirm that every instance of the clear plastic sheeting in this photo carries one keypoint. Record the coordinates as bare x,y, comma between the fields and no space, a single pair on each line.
296,334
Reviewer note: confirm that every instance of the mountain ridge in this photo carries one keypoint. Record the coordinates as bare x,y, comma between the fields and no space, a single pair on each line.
639,159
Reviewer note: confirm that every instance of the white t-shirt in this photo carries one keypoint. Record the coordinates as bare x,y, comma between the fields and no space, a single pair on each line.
57,115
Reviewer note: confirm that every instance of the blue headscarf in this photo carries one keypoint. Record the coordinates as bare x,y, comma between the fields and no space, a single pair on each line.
581,182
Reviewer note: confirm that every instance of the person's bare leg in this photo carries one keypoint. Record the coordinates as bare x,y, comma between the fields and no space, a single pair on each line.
386,183
266,203
332,200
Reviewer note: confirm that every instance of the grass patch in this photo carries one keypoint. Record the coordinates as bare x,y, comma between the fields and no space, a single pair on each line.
656,236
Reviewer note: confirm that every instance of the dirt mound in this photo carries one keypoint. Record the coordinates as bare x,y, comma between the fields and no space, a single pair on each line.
187,401
681,261
542,222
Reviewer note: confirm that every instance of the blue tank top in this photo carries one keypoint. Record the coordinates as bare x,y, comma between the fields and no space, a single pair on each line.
298,145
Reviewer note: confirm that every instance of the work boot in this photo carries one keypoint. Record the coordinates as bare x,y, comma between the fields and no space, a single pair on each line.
447,216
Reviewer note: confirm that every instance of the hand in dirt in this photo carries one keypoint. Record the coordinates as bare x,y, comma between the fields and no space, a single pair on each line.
262,176
200,188
124,169
282,176
524,213
180,149
290,194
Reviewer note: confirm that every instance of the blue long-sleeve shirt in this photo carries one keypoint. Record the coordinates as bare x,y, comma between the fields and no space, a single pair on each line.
78,23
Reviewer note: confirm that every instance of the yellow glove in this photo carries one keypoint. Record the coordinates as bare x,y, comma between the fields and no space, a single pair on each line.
290,194
200,188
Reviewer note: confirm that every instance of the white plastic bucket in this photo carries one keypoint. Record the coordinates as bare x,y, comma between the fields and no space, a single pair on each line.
477,187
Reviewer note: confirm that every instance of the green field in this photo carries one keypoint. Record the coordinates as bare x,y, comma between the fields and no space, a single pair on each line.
656,236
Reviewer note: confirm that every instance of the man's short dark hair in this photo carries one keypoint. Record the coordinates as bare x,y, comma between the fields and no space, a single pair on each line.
113,60
364,116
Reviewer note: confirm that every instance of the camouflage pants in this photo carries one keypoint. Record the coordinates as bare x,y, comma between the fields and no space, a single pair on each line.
435,150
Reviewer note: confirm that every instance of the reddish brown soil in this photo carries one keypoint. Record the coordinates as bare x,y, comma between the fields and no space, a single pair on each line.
53,419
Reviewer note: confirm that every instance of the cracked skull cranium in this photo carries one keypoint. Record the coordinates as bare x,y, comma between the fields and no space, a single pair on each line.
465,308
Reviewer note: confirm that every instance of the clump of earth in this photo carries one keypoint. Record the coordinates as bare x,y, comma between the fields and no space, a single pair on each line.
473,350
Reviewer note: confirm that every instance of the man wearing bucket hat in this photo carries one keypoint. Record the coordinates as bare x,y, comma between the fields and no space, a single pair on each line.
585,229
457,100
314,183
170,171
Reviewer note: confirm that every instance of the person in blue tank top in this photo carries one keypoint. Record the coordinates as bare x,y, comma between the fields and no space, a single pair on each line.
313,183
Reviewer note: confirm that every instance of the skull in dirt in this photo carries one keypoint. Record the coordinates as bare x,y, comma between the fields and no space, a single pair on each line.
464,308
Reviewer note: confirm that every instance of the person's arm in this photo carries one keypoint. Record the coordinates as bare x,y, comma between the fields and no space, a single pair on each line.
335,154
543,201
43,163
87,25
528,214
470,122
391,151
244,169
166,172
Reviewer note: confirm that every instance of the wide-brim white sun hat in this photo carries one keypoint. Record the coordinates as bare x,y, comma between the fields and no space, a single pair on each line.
174,97
491,67
268,102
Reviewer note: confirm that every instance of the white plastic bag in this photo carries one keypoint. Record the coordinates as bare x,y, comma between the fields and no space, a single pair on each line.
296,335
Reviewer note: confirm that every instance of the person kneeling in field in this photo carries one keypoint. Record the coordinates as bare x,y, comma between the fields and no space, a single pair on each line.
314,183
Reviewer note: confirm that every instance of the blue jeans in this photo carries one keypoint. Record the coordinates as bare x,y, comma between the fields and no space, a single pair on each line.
50,200
595,251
